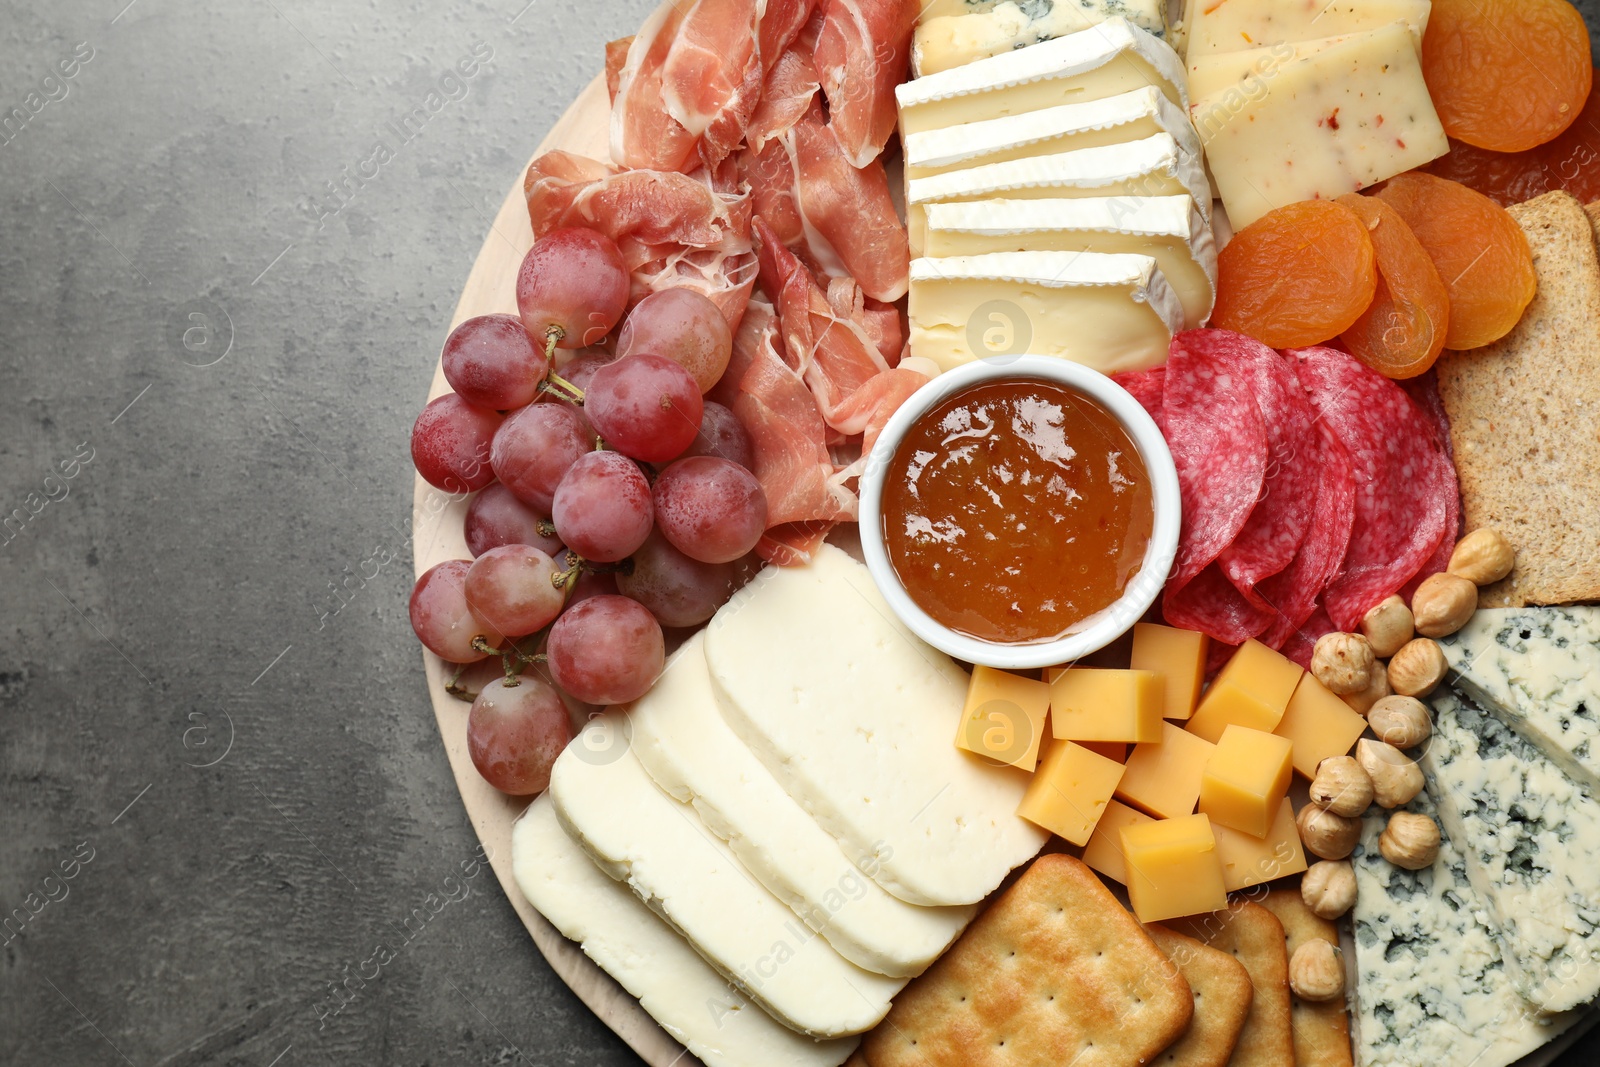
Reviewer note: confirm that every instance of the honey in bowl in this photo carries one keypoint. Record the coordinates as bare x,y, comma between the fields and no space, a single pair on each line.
1015,510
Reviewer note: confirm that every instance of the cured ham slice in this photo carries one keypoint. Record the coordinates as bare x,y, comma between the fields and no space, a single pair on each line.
862,51
616,56
643,133
791,86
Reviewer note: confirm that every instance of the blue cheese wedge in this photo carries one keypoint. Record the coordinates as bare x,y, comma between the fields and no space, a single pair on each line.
1112,58
1169,229
1530,837
955,40
1538,669
681,991
1126,117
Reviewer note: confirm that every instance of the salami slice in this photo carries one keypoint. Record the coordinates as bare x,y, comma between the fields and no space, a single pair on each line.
1219,444
1149,388
1424,392
1402,485
1303,642
1293,592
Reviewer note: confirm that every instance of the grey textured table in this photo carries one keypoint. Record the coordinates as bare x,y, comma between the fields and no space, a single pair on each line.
220,304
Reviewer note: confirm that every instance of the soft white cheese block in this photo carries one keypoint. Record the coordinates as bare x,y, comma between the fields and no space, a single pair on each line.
1236,25
689,876
1335,122
1111,312
686,746
682,992
1249,71
1114,57
1532,843
1152,166
1119,119
1538,669
1431,986
954,40
1169,229
857,718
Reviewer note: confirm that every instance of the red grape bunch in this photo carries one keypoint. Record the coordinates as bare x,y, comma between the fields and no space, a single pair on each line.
610,499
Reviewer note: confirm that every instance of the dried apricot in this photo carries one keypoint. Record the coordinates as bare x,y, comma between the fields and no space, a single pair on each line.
1505,177
1403,332
1507,75
1297,276
1480,252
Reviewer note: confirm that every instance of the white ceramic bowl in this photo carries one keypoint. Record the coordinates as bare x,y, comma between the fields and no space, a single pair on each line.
1098,630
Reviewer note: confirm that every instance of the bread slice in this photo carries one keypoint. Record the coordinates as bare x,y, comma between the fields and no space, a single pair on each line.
1525,418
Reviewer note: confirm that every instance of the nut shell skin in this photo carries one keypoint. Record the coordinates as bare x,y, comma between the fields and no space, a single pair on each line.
1388,627
1343,663
1417,669
1444,603
1410,841
1483,557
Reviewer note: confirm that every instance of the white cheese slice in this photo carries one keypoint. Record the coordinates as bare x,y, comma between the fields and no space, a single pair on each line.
1114,57
1345,118
682,992
955,40
689,876
1119,119
686,746
1538,669
1251,69
1431,986
857,719
1169,229
1235,25
1152,166
1531,838
1110,312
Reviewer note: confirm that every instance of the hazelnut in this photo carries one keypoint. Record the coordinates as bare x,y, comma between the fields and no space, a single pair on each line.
1326,835
1375,691
1329,888
1444,603
1388,626
1343,663
1483,557
1403,722
1342,787
1410,841
1316,973
1417,669
1396,778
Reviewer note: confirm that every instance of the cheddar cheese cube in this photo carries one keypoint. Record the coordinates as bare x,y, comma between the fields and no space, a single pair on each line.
1319,725
1104,850
1112,750
1173,868
1087,704
1252,690
1179,656
1246,779
1249,860
1070,791
1004,717
1163,779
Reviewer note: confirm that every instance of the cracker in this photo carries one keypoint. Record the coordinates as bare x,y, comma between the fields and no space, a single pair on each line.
1056,971
1255,937
1222,995
1321,1031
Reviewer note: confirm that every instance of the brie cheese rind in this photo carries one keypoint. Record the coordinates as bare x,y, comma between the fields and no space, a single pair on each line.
683,742
854,716
691,1001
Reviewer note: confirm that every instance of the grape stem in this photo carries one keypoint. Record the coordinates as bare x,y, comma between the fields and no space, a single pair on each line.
552,337
457,690
511,658
565,386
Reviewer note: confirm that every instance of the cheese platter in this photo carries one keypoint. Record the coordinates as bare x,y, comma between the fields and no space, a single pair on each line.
877,519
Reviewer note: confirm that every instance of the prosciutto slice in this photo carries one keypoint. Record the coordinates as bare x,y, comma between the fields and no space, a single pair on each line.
643,133
863,48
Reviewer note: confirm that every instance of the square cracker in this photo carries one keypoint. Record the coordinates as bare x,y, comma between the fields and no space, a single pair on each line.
1523,418
1321,1031
1222,995
1055,971
1255,938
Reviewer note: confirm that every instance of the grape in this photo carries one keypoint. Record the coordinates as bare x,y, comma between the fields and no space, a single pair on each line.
684,326
493,363
722,435
590,584
677,590
510,588
712,510
441,618
496,517
534,449
574,283
580,371
607,650
515,731
450,444
647,407
602,509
